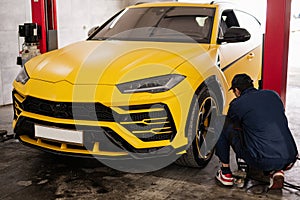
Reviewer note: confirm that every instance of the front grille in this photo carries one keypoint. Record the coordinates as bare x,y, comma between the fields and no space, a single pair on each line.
148,123
67,110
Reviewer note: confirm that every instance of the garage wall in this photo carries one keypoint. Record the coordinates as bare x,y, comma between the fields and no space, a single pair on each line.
12,13
76,17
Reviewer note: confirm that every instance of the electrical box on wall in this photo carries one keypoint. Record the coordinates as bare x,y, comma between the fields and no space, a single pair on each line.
31,32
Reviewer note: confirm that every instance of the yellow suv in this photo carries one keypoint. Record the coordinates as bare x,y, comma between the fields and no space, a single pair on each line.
147,83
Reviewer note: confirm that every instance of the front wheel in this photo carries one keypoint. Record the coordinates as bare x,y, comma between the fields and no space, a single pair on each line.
200,130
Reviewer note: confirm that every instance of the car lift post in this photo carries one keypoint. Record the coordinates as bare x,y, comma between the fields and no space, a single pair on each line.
276,46
44,14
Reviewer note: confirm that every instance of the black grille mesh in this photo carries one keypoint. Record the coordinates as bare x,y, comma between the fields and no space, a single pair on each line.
67,110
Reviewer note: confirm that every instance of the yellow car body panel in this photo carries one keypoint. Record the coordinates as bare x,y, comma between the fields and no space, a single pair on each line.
89,72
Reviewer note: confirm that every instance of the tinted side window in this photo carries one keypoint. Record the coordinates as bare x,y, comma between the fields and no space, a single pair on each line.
228,19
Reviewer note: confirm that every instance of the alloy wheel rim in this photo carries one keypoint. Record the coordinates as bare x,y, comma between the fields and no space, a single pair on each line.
205,132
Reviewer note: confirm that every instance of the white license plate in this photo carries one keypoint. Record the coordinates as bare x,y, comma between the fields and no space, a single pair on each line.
57,134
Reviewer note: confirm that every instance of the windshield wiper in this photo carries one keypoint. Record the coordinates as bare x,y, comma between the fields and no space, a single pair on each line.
99,38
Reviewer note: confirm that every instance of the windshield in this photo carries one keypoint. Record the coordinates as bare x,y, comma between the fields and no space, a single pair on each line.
176,24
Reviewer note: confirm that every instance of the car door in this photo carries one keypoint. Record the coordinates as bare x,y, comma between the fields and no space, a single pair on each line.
241,57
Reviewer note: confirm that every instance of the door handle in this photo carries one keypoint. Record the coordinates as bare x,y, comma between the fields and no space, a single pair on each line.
250,56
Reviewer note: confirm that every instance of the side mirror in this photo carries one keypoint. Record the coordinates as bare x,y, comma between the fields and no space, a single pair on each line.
235,34
92,30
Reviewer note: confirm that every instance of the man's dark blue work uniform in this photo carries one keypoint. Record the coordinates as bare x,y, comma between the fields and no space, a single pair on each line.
257,129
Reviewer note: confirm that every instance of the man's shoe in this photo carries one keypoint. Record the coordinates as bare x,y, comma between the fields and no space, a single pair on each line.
224,179
276,180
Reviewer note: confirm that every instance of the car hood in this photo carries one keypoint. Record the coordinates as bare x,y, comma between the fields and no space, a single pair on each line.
111,62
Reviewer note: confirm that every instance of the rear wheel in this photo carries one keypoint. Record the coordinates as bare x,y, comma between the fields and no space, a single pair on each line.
201,132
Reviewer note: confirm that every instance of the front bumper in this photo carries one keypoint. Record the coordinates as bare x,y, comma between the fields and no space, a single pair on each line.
146,130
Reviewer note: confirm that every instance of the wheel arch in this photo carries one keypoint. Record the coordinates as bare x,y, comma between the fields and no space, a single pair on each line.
212,84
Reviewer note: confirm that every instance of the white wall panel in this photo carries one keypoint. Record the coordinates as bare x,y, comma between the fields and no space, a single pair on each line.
9,75
76,17
12,14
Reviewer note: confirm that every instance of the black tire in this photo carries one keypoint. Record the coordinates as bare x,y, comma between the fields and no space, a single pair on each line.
200,131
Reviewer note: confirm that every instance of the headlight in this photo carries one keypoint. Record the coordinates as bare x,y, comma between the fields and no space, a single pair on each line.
152,85
22,76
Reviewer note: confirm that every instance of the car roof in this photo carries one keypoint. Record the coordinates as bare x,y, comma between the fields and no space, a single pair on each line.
212,4
164,4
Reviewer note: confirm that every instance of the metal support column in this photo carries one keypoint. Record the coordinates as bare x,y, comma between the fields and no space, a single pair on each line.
44,14
276,46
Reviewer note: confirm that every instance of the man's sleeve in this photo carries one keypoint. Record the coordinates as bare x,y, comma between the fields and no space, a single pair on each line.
232,115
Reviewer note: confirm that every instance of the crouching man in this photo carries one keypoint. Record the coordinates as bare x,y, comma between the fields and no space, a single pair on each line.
257,129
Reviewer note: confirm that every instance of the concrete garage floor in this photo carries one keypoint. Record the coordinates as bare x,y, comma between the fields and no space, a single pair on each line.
27,173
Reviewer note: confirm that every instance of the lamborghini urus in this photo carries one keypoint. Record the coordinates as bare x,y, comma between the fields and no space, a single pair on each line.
149,82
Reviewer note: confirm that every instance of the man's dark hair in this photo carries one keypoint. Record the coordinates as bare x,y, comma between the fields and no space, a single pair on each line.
241,82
